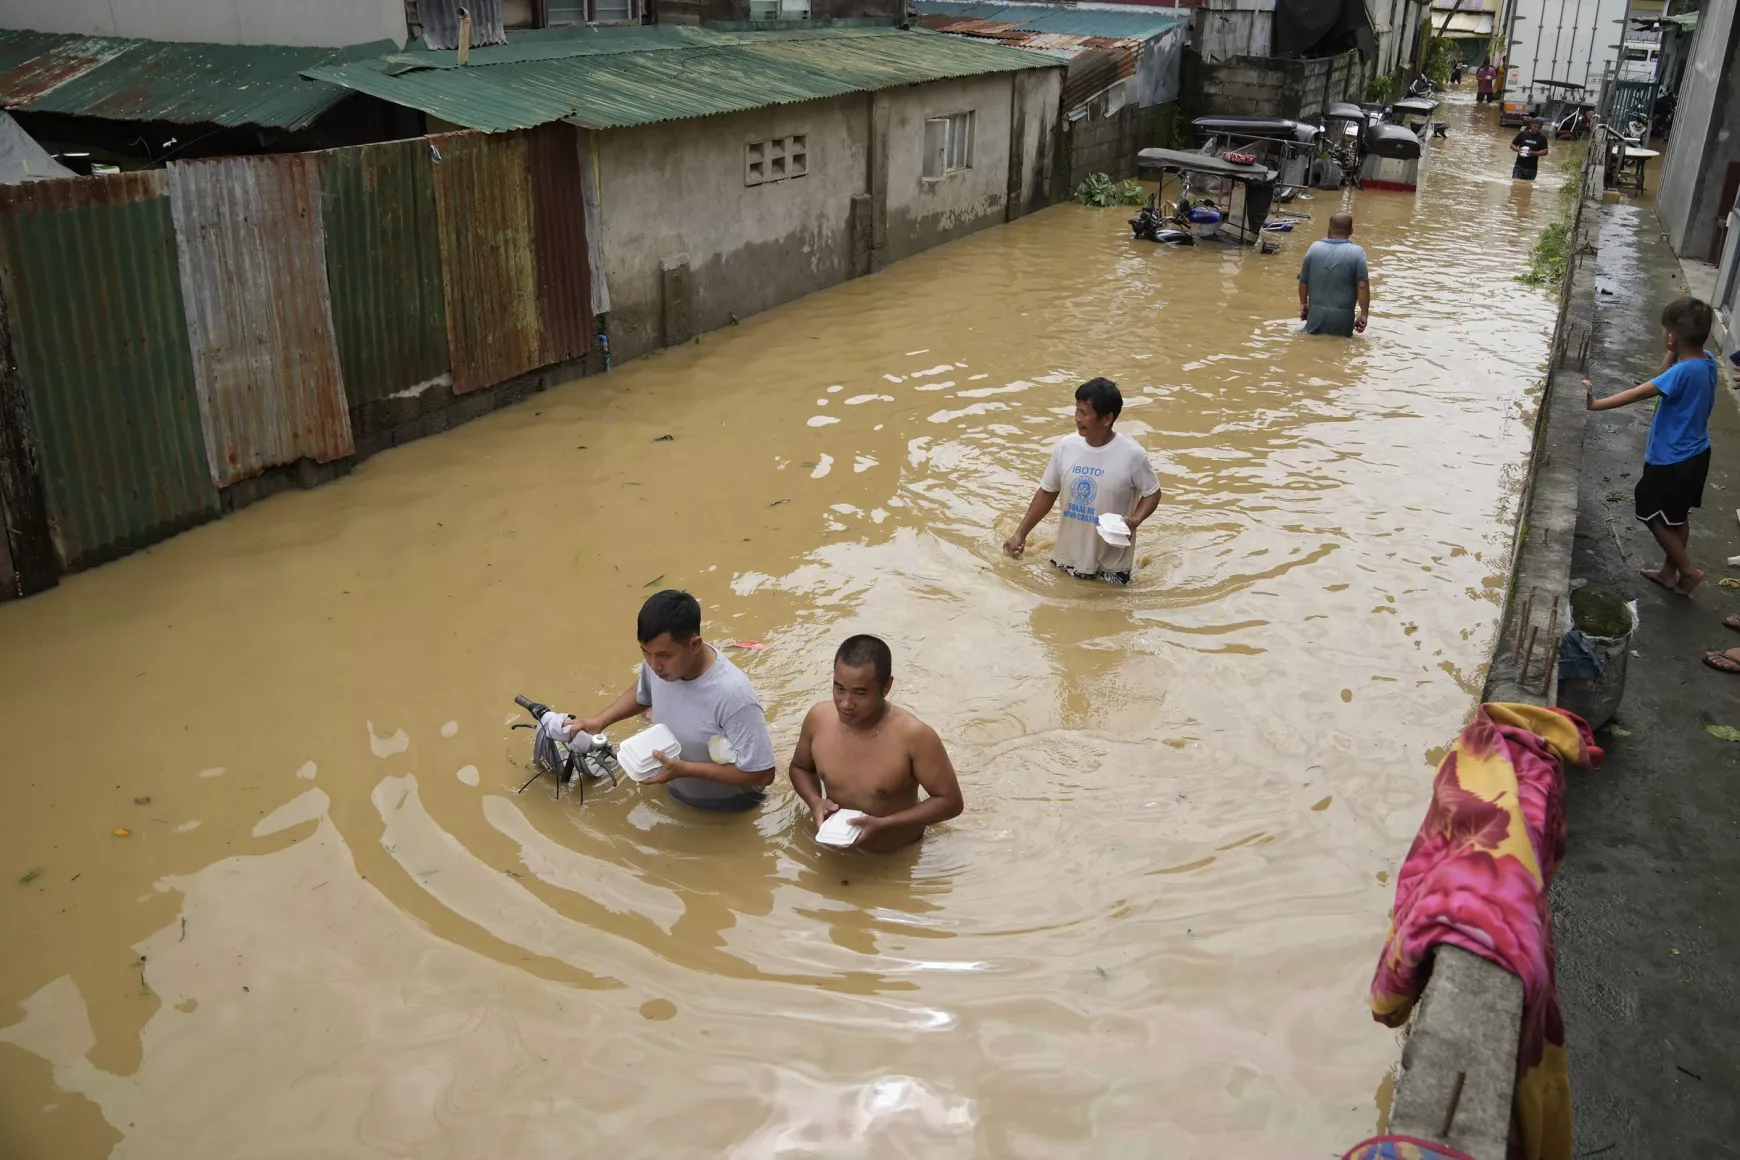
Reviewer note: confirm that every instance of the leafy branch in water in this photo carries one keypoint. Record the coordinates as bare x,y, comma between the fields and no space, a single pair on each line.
1099,189
1551,258
1379,88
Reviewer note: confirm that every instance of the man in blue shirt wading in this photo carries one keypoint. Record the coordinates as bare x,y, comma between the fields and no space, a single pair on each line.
1332,282
1677,456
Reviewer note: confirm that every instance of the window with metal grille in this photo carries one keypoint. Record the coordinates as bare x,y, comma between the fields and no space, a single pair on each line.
779,9
948,145
776,160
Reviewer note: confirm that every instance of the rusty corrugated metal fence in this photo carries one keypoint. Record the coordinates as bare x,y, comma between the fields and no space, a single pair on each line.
253,274
559,232
179,331
483,203
89,267
383,263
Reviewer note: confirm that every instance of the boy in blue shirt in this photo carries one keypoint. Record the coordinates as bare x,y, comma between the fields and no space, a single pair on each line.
1677,456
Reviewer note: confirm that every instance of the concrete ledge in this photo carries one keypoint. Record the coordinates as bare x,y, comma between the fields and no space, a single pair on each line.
1459,1067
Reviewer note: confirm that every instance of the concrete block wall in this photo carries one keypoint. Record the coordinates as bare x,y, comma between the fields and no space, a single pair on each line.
1275,87
1109,145
1243,85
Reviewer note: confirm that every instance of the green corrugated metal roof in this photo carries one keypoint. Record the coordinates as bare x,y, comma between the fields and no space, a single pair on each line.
153,80
673,74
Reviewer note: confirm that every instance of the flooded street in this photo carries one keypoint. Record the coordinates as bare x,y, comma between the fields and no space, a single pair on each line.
335,930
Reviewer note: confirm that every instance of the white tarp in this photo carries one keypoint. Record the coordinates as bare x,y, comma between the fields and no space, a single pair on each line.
22,159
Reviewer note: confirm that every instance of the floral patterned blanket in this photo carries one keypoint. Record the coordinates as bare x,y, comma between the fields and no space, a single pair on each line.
1476,877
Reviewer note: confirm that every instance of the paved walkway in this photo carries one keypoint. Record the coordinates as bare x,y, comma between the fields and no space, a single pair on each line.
1647,904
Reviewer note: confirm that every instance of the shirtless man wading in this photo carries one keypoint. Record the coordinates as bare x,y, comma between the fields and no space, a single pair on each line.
864,753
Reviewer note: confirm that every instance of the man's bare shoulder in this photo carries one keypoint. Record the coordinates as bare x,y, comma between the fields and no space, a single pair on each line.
911,728
819,715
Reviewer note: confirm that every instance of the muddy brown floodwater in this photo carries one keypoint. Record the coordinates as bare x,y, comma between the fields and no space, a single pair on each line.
335,930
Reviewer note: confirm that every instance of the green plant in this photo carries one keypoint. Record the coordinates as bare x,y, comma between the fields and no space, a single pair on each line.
1172,131
1378,89
1551,258
1440,57
1100,190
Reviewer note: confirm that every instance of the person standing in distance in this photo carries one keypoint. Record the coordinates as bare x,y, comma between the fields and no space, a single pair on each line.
727,752
1103,471
1530,146
1484,76
1333,281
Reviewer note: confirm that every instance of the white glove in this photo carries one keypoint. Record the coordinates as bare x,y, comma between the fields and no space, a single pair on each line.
556,726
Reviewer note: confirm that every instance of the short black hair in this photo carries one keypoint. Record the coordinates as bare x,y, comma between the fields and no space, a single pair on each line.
865,649
1102,395
670,611
1689,319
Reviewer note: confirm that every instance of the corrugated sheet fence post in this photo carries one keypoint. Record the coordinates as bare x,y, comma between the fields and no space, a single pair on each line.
252,242
28,546
383,264
100,336
483,202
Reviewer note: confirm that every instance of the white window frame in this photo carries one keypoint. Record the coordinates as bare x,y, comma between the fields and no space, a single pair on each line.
776,159
588,14
949,141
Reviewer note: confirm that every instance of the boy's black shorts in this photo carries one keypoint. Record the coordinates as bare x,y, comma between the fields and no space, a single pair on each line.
1668,492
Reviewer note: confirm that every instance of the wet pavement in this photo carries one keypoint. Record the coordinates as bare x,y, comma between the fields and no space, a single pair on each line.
1644,903
334,929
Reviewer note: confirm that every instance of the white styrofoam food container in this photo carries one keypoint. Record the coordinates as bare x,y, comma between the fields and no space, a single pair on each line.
838,830
636,754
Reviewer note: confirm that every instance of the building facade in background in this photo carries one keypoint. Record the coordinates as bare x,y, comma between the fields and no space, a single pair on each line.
1700,177
305,23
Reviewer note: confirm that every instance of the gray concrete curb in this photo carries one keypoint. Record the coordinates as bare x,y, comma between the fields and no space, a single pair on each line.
1459,1067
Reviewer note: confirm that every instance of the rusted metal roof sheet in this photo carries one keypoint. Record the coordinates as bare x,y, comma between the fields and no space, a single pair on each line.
34,63
383,264
483,203
668,78
149,80
1129,26
250,235
89,266
559,247
1094,72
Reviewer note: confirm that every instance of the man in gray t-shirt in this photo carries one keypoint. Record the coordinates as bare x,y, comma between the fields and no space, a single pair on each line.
727,752
1333,282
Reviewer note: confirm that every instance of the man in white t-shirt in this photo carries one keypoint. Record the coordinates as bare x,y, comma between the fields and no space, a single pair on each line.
1102,472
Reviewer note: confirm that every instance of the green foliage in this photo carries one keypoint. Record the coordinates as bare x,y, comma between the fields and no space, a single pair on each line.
1172,132
1379,88
1440,59
1099,189
1550,258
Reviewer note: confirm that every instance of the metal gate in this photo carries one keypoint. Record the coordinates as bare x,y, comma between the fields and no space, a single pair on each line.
1628,100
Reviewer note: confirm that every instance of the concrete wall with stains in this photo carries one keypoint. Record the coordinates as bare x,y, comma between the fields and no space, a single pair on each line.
688,244
922,212
675,192
321,23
